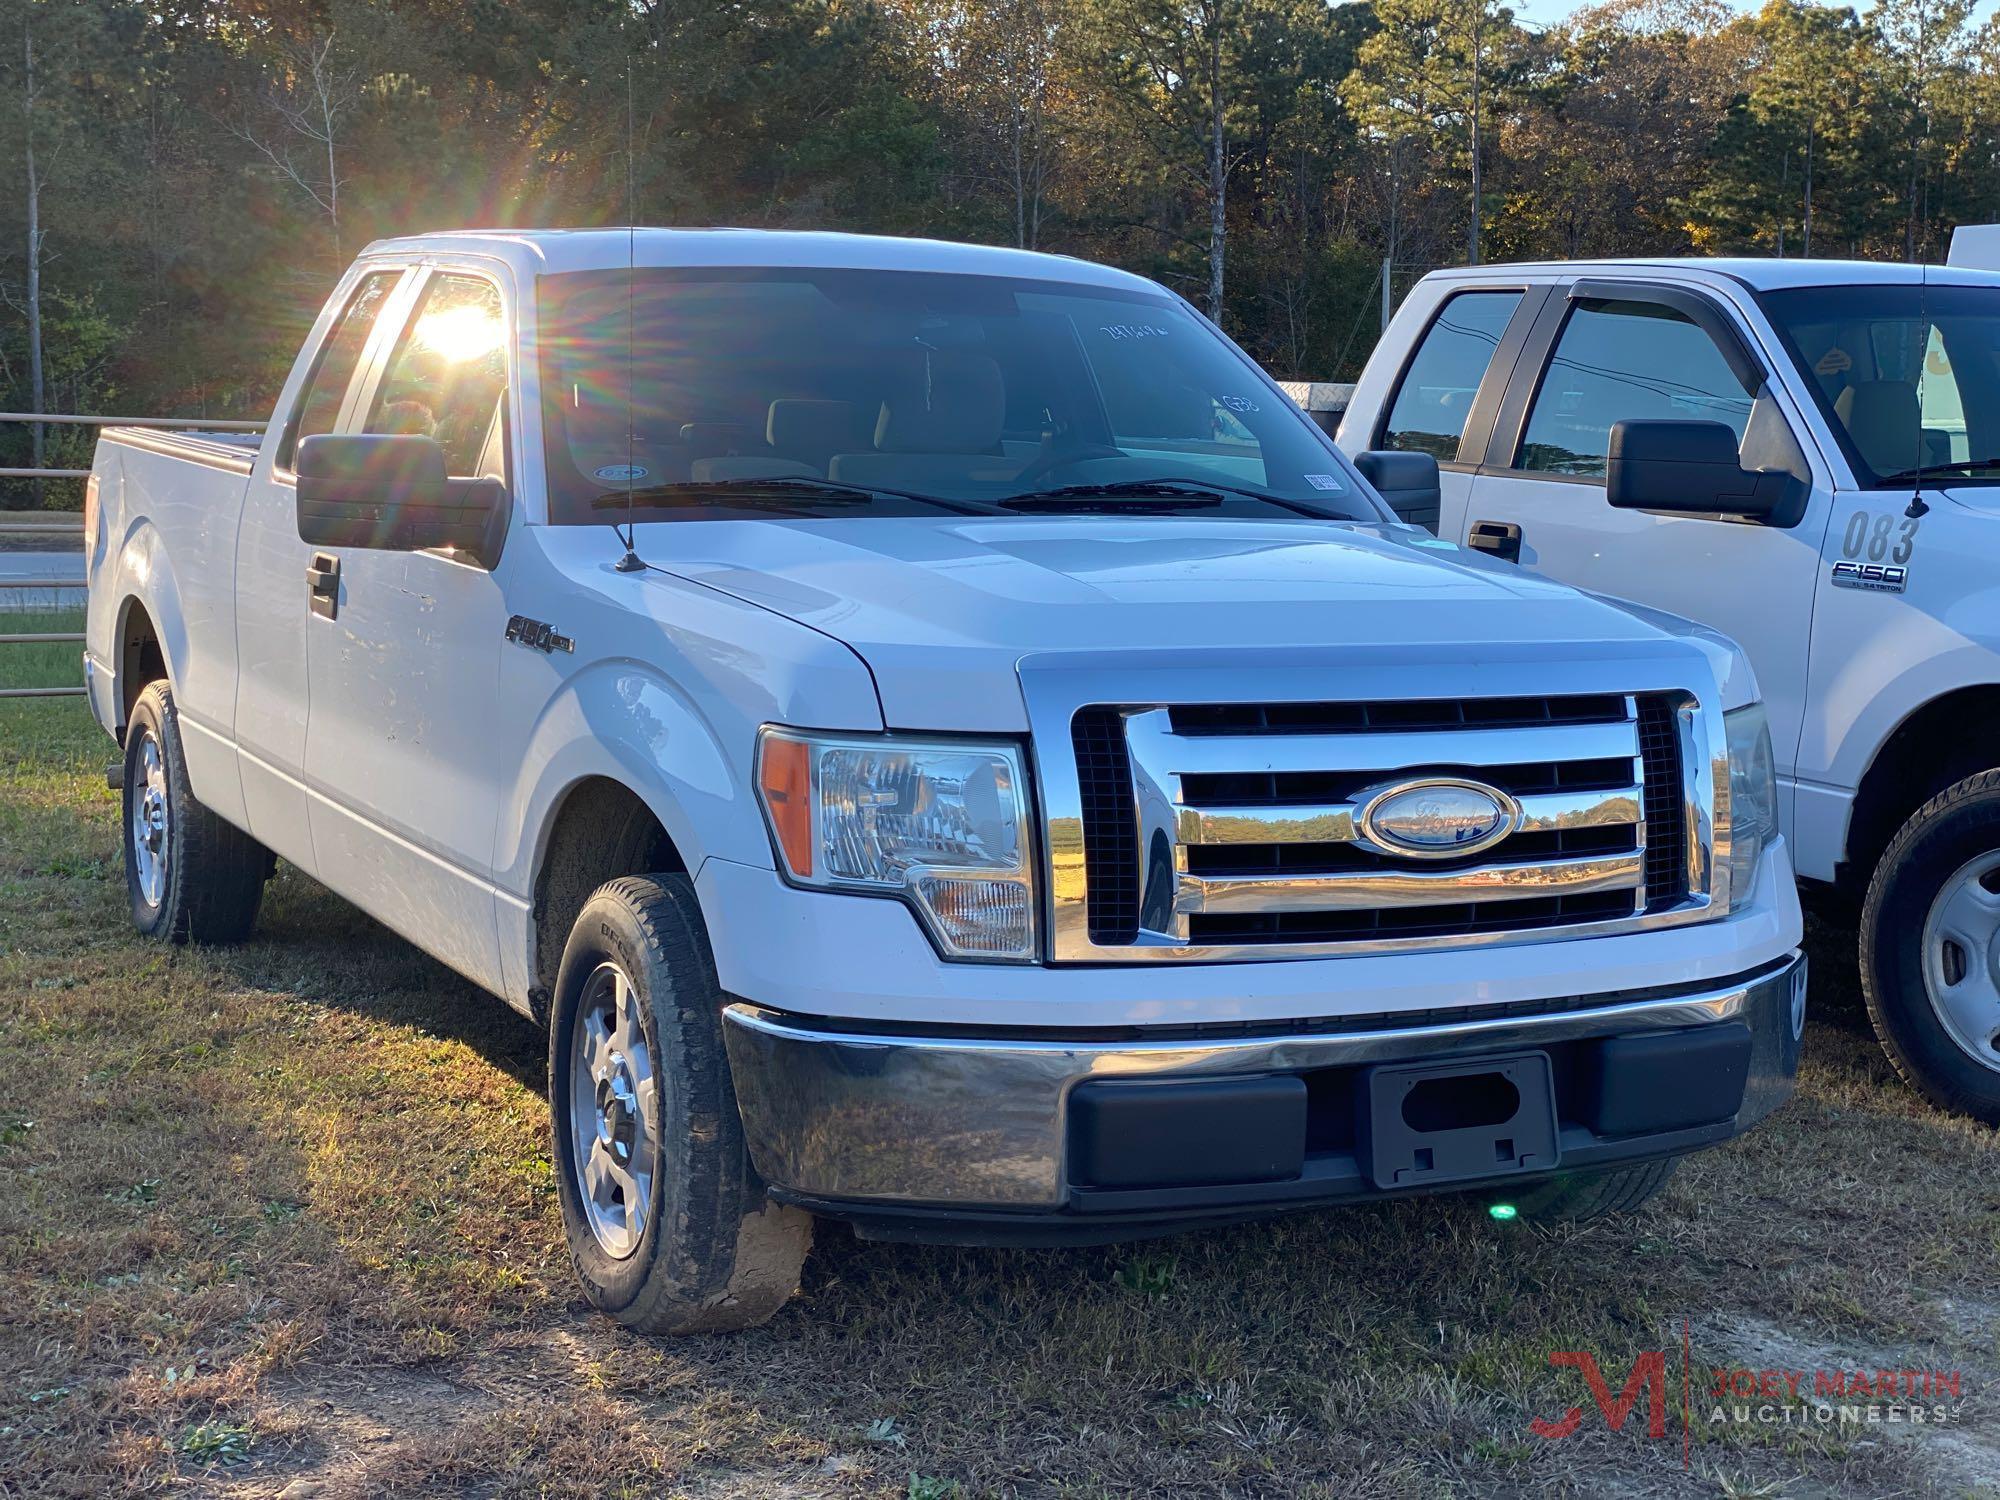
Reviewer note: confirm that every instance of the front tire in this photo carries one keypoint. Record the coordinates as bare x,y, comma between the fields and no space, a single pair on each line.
1930,949
668,1225
190,875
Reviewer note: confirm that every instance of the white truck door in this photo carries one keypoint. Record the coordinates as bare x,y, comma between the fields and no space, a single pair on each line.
271,562
1442,400
1602,355
404,749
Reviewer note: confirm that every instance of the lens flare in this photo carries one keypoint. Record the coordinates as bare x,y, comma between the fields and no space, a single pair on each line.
458,334
1503,1211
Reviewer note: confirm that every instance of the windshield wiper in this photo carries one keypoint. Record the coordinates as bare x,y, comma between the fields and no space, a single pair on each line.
1176,494
791,490
1924,471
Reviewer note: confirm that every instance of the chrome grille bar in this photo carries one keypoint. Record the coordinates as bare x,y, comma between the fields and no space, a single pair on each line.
1363,890
1333,823
1153,741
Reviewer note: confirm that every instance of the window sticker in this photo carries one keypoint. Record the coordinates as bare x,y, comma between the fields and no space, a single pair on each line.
620,473
1240,403
1132,330
1325,482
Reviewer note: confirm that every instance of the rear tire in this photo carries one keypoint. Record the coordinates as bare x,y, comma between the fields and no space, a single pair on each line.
1930,949
1579,1196
668,1224
192,877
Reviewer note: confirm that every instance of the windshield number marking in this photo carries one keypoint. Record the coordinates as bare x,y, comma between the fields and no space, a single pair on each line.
1881,536
1132,330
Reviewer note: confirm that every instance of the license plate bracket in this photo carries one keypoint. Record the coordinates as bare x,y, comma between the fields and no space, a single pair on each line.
1459,1121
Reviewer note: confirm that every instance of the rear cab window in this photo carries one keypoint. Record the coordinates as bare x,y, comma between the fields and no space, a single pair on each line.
1434,397
319,404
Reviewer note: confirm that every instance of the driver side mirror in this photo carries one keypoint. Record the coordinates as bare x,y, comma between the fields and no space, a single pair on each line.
390,492
1693,468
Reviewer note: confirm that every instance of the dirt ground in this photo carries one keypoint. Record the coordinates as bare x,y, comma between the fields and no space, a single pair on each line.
278,1221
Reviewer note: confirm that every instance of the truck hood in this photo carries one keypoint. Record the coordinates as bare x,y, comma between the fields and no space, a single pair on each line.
944,611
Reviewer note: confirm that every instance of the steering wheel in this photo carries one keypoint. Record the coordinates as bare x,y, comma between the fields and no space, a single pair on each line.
1052,458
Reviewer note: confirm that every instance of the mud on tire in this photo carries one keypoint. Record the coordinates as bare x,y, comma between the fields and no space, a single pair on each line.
706,1250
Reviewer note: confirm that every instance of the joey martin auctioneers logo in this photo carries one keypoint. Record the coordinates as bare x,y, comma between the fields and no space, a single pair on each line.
1747,1395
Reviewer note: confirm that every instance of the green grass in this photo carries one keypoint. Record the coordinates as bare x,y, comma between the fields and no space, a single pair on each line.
52,664
284,1212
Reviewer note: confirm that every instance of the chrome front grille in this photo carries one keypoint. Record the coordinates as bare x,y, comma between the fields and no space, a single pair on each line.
1221,830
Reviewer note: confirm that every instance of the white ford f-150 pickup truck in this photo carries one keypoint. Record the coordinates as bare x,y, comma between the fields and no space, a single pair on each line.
941,743
1806,456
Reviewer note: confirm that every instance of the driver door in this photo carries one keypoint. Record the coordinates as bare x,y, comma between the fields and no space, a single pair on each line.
404,752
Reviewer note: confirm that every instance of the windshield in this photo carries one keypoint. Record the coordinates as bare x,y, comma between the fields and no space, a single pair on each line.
694,387
1908,378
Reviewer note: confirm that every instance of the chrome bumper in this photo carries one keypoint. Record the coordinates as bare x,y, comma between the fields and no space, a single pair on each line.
980,1122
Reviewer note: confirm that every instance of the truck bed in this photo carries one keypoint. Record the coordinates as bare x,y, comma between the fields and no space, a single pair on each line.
232,451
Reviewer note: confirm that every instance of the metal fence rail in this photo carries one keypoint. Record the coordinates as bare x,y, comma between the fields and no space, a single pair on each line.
60,523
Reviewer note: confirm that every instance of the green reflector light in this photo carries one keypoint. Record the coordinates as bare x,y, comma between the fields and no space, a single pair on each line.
1503,1211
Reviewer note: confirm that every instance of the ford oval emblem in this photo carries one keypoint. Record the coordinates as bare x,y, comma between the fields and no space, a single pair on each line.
1436,818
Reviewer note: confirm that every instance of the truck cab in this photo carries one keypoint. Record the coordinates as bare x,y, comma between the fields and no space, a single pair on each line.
1806,456
942,744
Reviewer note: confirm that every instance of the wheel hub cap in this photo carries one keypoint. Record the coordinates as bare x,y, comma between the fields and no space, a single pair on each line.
614,1143
152,815
1961,950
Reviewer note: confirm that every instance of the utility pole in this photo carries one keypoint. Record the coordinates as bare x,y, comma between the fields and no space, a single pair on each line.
35,380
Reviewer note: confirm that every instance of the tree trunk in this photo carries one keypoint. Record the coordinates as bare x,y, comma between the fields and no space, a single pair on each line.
324,82
36,391
1020,179
1218,168
1478,26
1807,250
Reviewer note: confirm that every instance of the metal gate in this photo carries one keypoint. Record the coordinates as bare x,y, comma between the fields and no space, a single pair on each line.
52,524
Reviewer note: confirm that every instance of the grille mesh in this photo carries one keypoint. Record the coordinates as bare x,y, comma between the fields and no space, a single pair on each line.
1666,821
1110,827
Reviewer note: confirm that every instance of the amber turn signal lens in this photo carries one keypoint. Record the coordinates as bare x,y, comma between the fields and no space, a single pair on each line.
785,777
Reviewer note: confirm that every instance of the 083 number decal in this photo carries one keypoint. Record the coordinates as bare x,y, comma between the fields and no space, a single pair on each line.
1881,536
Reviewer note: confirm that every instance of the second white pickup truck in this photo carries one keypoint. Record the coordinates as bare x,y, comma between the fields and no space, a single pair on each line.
942,743
1806,456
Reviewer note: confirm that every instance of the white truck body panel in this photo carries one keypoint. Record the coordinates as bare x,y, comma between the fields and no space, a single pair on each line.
1976,246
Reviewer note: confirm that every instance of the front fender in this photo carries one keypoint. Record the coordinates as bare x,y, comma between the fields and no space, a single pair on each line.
626,722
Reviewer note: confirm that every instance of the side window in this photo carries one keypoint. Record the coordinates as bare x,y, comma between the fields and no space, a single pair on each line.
1435,396
449,371
326,388
1625,361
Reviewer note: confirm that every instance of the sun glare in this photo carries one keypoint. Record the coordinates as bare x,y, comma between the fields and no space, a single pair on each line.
459,333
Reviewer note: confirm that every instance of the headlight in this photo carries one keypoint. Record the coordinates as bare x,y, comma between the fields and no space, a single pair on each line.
942,824
1753,796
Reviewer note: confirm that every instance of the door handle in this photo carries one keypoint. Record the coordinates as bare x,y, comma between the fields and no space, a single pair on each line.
323,585
1501,539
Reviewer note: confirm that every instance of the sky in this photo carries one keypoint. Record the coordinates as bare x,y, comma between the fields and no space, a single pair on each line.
1542,12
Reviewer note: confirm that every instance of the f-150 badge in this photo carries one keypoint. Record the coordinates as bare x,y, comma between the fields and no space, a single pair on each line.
535,633
1880,578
